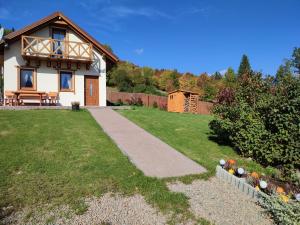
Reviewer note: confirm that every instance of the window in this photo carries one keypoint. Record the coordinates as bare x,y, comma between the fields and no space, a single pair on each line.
66,81
27,79
58,44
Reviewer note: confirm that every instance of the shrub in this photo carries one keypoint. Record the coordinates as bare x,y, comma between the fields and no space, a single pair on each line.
261,118
135,101
163,106
119,102
282,213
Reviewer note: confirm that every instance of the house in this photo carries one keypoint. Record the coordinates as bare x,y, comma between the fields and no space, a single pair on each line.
55,55
183,101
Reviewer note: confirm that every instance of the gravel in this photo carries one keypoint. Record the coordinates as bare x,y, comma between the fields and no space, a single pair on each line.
109,209
221,203
213,200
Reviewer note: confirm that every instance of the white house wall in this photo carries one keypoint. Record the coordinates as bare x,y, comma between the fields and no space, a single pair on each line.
47,78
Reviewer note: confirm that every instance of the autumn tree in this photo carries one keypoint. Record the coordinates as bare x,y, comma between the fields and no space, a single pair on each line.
188,82
203,80
169,80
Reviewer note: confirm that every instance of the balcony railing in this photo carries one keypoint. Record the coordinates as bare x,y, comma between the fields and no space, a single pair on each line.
53,48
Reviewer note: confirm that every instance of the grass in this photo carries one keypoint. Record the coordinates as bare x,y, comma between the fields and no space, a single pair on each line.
60,157
189,134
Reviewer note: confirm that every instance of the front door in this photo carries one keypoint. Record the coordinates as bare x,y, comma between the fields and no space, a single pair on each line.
91,90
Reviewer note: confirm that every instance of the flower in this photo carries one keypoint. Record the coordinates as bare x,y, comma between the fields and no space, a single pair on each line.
279,190
254,175
284,198
231,171
231,161
257,188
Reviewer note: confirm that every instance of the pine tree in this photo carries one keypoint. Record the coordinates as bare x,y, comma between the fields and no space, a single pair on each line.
244,67
217,76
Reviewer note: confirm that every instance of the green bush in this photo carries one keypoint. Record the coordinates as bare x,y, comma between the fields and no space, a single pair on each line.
282,213
119,102
262,120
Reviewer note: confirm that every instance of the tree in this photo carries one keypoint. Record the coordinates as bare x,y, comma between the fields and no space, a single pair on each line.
284,71
168,80
217,76
187,82
203,80
244,67
296,60
230,76
108,48
7,31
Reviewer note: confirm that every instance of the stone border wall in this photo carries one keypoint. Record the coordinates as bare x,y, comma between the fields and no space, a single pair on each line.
239,183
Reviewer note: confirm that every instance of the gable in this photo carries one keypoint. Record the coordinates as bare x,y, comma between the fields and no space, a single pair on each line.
59,20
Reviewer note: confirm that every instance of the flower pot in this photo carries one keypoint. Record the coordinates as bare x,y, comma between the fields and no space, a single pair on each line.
75,107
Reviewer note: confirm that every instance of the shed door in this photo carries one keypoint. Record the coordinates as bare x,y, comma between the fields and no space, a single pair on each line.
91,90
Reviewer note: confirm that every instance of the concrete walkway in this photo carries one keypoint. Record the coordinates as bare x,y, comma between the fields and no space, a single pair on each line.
152,156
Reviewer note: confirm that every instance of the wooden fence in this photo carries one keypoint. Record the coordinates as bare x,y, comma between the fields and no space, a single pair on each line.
149,100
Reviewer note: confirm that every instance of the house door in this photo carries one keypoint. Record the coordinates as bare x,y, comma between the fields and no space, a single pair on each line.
91,90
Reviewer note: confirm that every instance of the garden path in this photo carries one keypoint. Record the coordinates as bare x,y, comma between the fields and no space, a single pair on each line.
151,155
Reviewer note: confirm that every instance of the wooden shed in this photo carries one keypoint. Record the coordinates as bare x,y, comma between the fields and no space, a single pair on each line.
183,101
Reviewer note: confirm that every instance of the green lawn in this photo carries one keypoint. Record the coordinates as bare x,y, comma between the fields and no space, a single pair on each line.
58,157
188,134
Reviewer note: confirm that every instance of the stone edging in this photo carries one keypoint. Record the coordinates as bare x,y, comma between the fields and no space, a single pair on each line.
239,183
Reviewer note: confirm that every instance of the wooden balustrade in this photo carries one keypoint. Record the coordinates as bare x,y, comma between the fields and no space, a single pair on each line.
53,48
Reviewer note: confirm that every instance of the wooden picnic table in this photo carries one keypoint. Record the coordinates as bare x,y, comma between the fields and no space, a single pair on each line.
37,93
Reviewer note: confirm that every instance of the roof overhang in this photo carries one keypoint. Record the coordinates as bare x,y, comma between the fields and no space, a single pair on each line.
14,36
184,91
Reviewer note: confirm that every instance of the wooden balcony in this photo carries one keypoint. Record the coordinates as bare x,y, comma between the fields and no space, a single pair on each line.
52,49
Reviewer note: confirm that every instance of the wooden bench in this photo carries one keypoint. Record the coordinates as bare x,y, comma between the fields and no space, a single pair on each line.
42,98
31,95
10,98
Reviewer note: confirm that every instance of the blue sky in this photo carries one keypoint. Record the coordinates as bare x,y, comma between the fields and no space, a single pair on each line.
190,36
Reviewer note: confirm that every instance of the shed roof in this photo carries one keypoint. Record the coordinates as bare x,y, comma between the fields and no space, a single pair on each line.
185,91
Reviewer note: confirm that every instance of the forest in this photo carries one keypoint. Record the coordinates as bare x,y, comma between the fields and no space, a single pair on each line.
127,77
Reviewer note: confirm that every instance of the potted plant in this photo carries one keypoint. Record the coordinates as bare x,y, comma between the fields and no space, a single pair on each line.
75,106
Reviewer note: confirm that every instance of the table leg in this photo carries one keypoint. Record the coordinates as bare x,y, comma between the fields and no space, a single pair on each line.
17,100
40,99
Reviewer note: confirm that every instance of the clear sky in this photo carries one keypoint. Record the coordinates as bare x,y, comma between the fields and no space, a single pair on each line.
188,35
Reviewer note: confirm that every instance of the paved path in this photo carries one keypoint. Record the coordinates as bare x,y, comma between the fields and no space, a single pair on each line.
152,156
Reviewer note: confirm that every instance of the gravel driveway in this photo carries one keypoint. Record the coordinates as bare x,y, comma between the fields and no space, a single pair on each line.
221,203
